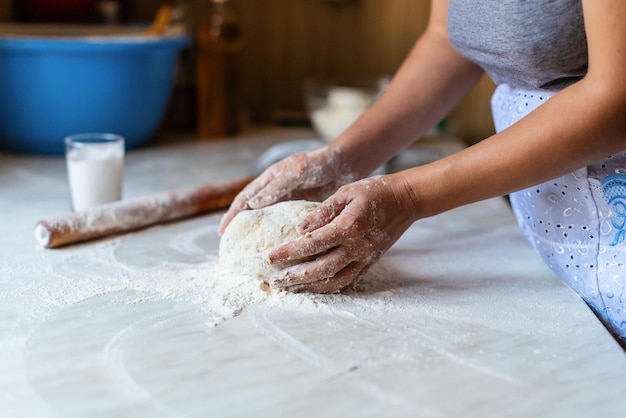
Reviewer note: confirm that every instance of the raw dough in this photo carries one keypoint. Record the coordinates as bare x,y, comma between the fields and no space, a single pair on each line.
252,234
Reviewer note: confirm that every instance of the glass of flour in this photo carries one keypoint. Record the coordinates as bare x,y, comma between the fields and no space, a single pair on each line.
95,168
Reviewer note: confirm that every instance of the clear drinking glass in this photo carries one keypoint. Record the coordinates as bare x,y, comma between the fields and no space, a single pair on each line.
95,168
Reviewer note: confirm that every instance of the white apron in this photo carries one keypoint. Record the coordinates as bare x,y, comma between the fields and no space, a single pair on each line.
576,222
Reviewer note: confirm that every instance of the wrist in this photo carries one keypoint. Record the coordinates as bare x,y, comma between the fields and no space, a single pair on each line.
342,162
407,197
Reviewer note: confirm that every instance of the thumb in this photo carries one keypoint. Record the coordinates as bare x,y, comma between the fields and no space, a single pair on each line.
321,215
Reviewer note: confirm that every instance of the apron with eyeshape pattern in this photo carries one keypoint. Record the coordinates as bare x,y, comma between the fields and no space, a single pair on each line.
576,222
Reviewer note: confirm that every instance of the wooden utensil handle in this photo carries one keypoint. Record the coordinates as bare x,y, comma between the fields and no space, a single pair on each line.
128,215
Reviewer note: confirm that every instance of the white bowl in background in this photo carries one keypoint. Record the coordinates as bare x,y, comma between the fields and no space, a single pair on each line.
333,107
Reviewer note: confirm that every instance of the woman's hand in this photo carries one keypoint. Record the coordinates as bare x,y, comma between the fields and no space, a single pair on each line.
346,234
309,175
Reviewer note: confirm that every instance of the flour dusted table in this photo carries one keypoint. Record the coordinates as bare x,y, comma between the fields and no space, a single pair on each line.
461,320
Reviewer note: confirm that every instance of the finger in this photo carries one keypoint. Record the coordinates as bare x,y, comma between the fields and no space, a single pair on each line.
334,284
315,194
240,202
323,267
309,245
322,215
276,188
237,206
264,185
260,187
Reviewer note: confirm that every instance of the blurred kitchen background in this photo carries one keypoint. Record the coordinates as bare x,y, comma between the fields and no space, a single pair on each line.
285,42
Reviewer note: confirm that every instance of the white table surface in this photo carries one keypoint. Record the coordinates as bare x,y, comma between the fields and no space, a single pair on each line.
460,319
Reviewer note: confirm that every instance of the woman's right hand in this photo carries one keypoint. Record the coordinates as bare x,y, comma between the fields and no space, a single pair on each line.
310,175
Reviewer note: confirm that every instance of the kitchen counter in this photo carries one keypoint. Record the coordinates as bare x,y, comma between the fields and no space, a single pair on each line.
459,319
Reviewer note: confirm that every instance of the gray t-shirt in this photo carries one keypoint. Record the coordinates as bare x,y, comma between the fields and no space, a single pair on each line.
534,44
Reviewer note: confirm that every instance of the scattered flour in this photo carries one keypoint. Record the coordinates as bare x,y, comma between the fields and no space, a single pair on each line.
88,271
228,294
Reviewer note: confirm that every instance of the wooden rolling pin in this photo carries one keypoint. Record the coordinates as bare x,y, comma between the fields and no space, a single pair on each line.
129,215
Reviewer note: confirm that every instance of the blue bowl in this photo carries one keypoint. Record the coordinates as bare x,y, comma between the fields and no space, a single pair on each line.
52,87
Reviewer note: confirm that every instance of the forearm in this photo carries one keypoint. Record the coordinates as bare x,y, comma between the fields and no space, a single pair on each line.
580,125
431,82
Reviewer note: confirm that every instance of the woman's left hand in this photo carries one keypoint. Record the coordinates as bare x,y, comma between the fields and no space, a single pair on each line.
345,235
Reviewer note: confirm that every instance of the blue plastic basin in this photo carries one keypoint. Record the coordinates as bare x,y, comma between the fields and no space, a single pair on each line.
54,87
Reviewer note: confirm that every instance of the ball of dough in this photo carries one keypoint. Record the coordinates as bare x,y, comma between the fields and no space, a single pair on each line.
252,234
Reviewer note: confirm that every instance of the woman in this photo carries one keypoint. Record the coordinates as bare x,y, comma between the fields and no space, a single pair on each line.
560,115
